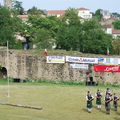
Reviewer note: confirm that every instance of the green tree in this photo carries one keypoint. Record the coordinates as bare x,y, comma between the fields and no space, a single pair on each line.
68,36
35,11
17,7
98,14
42,24
9,26
6,27
116,24
95,40
116,46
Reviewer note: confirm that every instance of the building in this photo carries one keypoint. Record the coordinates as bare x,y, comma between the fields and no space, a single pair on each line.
23,17
106,14
56,13
115,33
109,29
8,3
84,13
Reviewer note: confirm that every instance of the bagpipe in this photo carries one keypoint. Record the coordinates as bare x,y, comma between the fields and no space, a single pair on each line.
116,100
91,99
108,101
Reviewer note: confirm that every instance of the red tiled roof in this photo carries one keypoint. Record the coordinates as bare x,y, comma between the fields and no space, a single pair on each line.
56,12
115,31
83,9
23,17
108,26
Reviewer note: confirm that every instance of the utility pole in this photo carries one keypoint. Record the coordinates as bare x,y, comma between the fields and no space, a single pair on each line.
8,3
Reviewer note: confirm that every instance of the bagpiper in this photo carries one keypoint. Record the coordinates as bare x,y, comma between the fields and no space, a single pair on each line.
98,99
89,99
108,99
115,102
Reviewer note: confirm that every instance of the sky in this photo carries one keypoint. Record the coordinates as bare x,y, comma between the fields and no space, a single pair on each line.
93,5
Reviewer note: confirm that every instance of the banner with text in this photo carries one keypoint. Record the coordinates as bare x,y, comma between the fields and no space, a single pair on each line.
79,66
109,61
101,68
81,60
55,59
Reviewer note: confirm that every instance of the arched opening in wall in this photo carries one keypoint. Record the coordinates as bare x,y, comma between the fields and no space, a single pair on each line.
3,72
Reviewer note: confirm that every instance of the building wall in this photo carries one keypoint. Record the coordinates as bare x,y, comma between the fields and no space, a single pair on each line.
26,66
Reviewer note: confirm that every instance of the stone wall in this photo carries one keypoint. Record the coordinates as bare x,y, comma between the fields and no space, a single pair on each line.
34,67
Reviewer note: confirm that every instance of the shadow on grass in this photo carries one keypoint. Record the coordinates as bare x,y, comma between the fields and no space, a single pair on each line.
102,111
84,109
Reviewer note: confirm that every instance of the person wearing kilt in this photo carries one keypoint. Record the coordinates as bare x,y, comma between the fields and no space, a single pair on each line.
98,99
115,102
89,99
108,99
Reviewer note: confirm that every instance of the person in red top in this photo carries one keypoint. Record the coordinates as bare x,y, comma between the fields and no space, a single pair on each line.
45,52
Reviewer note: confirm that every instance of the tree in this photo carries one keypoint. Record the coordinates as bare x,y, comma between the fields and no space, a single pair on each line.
95,40
87,37
6,28
116,46
42,25
9,26
35,11
17,7
98,14
68,36
116,24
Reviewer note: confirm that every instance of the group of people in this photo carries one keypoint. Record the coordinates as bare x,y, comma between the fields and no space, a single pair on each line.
109,97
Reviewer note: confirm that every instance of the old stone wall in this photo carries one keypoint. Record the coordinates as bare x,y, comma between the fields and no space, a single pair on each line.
34,67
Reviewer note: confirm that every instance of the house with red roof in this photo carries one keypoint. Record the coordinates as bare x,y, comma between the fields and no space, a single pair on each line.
84,13
56,13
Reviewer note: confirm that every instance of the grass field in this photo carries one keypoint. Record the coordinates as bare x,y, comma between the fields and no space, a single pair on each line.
59,102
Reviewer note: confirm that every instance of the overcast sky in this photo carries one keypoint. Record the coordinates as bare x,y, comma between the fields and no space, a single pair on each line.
111,5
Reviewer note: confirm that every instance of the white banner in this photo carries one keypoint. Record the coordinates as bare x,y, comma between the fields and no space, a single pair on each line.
109,61
79,66
55,59
81,60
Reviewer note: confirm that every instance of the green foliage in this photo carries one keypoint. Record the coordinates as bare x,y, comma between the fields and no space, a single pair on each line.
6,27
34,11
17,7
98,15
116,46
116,24
87,37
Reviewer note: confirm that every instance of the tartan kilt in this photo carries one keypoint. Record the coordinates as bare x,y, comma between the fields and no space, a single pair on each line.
107,106
98,102
89,104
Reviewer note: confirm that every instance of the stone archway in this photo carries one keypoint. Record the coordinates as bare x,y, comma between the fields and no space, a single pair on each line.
3,72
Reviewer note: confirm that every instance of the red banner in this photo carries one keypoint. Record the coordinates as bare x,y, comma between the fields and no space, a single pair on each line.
101,68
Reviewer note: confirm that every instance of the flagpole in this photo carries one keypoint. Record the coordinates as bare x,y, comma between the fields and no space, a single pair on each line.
8,80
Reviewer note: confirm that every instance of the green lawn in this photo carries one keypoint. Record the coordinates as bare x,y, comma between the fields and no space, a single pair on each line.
59,102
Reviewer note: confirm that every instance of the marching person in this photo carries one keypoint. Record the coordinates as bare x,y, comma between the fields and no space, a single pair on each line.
89,99
108,99
98,99
108,91
115,102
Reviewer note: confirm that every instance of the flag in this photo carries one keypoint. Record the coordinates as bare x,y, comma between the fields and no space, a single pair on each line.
108,52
